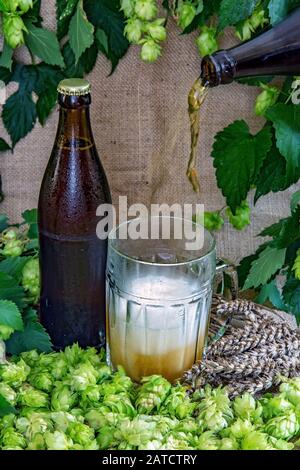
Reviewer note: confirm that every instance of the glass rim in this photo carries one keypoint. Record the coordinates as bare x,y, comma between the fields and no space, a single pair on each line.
150,263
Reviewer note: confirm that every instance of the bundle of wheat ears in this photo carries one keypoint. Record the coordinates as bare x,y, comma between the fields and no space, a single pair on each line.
248,349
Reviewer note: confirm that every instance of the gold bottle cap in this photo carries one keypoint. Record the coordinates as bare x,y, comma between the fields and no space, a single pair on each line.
74,87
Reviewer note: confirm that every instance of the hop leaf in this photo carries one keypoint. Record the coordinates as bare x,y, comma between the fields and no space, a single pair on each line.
296,266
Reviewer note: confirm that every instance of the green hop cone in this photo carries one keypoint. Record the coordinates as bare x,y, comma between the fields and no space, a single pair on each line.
62,398
90,396
213,221
241,218
136,432
30,357
186,14
283,427
267,98
275,406
240,428
105,437
127,6
59,368
5,332
244,30
13,28
31,278
73,354
34,423
246,407
14,374
256,440
296,266
61,420
134,30
291,390
41,379
258,19
176,441
280,444
57,441
25,5
82,376
7,421
120,404
145,9
12,439
8,393
156,30
207,441
29,396
152,393
80,433
228,443
9,234
150,51
37,443
177,404
13,248
207,41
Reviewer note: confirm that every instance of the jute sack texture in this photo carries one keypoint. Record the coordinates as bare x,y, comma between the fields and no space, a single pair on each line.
141,128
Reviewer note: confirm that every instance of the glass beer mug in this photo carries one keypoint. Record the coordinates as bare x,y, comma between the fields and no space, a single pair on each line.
158,301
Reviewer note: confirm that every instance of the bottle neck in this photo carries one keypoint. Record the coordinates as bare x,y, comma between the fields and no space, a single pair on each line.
74,128
275,52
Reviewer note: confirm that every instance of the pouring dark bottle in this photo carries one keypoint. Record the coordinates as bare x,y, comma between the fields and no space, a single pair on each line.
72,257
274,52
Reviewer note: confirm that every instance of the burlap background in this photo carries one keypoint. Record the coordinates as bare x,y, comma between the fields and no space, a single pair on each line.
140,123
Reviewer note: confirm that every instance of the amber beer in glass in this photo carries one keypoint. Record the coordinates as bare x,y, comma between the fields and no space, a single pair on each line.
72,257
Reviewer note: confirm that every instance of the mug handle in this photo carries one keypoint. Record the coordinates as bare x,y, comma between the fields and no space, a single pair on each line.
227,267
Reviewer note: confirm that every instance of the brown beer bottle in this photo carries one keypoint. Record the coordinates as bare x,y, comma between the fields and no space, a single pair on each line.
72,257
275,52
